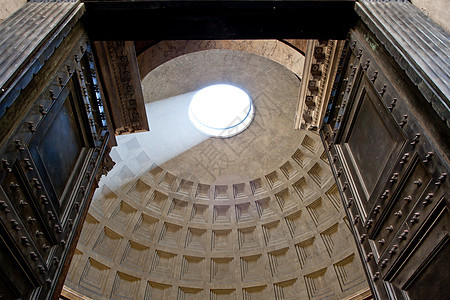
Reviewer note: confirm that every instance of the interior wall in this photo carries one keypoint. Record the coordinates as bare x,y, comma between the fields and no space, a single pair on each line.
437,10
8,7
274,50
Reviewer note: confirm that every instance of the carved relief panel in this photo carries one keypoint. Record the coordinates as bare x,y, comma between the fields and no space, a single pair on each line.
320,67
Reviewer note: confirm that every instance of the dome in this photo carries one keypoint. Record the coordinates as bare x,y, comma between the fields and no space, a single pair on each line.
186,216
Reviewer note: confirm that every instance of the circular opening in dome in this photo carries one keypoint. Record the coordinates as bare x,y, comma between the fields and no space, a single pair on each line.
221,110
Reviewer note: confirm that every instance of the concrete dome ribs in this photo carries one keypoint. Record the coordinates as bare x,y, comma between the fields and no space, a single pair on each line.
256,216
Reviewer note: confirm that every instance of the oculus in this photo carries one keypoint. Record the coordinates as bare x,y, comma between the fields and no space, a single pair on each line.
221,110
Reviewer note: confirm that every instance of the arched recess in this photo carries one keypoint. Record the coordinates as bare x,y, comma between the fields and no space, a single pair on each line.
289,53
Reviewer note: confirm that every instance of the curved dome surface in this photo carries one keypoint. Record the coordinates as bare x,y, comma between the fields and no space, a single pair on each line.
176,146
268,224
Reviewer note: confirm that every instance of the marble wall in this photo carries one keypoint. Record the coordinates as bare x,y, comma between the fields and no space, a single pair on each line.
8,7
437,10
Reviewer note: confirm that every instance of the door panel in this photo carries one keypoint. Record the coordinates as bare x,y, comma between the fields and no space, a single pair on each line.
391,172
372,140
61,138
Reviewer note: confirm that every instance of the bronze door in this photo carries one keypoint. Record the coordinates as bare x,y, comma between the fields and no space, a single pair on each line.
391,167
